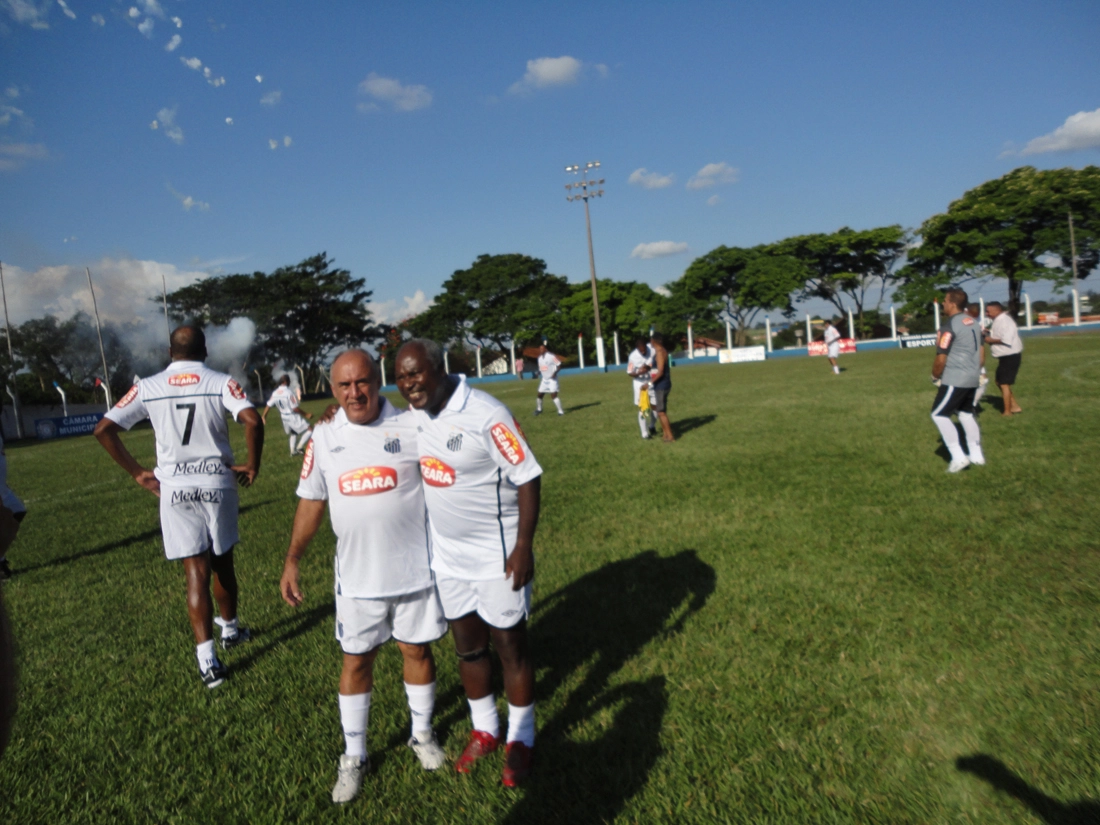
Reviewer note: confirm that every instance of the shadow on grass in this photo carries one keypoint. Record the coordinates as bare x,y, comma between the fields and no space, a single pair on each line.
686,425
1048,809
596,752
289,628
576,407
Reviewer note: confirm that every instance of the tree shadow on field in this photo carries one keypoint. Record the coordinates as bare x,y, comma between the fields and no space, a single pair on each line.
1048,809
295,625
597,751
686,425
576,407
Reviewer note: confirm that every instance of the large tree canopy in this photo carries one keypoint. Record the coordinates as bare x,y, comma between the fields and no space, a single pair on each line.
302,312
627,307
68,352
1014,227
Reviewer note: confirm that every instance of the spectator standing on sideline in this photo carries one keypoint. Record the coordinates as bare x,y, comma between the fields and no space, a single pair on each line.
661,380
1004,342
956,369
294,417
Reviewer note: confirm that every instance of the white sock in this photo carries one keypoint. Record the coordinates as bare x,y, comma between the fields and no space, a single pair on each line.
836,370
521,724
950,436
643,425
421,704
973,436
206,655
293,438
304,439
557,403
483,713
354,713
229,629
538,404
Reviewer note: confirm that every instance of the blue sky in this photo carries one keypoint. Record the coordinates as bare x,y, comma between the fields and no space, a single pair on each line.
409,138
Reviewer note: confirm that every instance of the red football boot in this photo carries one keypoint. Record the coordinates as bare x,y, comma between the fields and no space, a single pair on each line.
518,759
480,744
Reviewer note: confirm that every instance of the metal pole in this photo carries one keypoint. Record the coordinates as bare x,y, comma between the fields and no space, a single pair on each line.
768,333
99,334
893,323
14,391
64,400
1027,309
1076,294
164,293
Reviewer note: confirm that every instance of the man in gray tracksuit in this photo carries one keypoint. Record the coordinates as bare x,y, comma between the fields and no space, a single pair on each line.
956,370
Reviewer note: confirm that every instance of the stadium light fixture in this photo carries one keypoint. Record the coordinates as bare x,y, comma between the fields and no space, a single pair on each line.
586,191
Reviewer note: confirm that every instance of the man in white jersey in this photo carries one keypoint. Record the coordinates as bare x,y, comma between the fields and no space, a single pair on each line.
294,417
832,341
364,463
481,486
12,512
639,364
549,366
194,479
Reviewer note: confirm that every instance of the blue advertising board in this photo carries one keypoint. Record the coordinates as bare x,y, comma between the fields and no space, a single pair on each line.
71,425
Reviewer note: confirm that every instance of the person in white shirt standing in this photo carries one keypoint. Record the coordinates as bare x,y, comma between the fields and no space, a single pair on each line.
481,485
365,464
549,366
194,479
294,417
639,365
1003,336
832,341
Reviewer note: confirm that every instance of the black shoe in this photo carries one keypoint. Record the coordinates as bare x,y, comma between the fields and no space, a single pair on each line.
215,675
538,412
242,635
5,569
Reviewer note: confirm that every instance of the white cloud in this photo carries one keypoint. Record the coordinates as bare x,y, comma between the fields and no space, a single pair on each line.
146,27
12,92
392,312
213,81
229,121
286,140
10,113
188,202
191,62
153,7
70,239
663,290
272,98
134,13
713,174
99,20
173,44
28,12
259,78
658,249
274,144
649,180
65,8
167,119
1080,131
388,90
544,72
178,22
714,200
15,156
602,70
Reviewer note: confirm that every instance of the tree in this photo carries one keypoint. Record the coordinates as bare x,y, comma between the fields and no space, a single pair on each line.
68,352
302,312
736,284
627,307
1011,228
500,298
848,263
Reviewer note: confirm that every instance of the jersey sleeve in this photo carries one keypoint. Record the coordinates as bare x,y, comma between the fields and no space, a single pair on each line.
311,481
271,402
509,448
234,399
130,409
944,341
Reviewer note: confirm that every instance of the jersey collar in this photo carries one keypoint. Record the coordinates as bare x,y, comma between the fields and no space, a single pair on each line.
457,402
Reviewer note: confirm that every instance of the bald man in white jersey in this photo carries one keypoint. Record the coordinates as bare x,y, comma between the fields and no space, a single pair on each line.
194,479
364,463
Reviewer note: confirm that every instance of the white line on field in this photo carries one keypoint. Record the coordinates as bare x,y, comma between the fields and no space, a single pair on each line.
61,493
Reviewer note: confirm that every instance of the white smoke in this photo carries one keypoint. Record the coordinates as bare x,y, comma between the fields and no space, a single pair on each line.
279,370
228,347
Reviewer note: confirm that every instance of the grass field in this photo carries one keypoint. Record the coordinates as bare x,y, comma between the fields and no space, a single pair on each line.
790,615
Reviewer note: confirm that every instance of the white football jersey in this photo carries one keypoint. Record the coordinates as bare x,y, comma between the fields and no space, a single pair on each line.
831,334
473,457
370,476
284,400
640,364
186,405
548,364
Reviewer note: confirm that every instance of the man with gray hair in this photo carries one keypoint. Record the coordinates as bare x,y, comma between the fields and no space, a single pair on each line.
1003,337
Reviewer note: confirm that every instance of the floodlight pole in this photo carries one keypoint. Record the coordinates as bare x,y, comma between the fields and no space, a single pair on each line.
99,334
13,391
588,190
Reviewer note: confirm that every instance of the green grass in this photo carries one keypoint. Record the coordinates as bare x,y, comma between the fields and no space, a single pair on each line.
790,615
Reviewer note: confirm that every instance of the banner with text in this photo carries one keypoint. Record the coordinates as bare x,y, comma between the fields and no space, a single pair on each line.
72,425
741,354
847,346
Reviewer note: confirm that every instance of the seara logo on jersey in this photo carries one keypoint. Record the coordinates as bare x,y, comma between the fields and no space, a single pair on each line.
435,473
507,443
130,396
366,481
183,379
235,390
307,462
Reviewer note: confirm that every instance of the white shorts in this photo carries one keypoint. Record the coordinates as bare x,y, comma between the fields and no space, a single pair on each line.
294,424
548,385
364,624
638,395
196,519
834,350
494,601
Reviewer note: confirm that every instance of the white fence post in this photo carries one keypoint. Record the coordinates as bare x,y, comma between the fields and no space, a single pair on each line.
851,324
981,308
512,347
729,340
580,347
893,324
1027,309
768,333
936,310
691,342
1076,307
616,337
446,363
382,364
479,361
809,330
601,358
